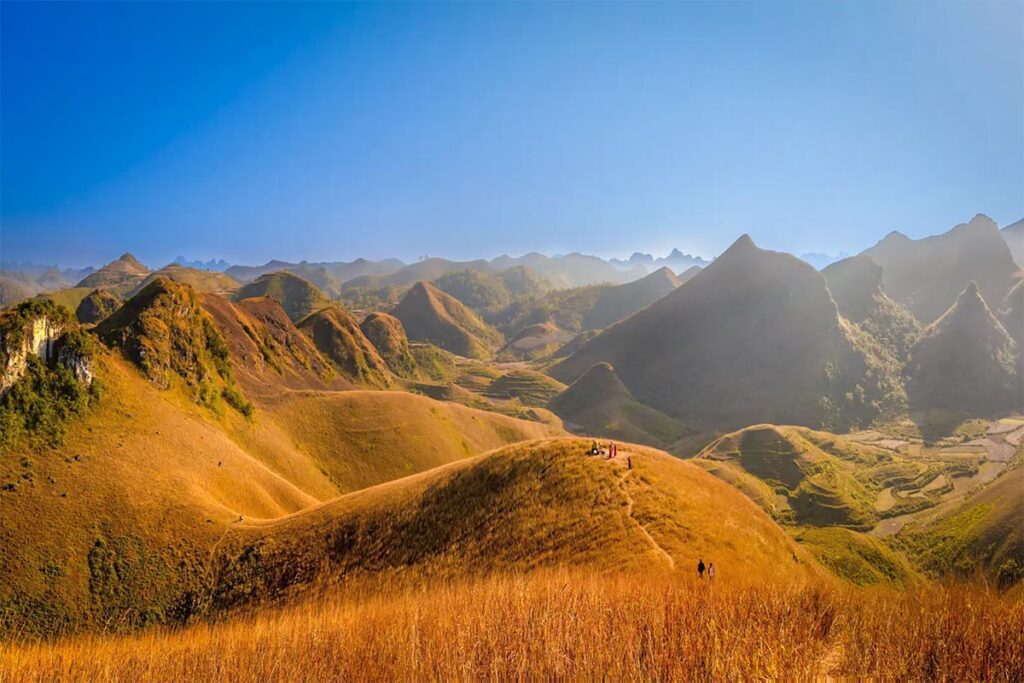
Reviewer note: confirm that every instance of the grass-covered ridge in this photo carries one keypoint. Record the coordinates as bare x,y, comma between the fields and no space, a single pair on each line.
165,331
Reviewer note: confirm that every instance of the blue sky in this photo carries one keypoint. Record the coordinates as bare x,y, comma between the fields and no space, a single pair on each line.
328,131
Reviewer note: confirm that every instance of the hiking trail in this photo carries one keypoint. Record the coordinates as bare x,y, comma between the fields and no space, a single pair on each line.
629,512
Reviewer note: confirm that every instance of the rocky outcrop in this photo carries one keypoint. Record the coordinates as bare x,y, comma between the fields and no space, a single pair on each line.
42,329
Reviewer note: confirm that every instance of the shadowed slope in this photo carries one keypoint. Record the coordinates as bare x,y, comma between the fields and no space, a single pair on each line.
387,335
99,304
753,337
337,336
926,275
1013,234
267,351
964,362
600,405
617,303
165,331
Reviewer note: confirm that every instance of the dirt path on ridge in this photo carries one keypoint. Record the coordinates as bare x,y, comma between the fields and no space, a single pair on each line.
629,512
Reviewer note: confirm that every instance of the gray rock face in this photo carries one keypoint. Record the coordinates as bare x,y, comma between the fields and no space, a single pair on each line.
41,337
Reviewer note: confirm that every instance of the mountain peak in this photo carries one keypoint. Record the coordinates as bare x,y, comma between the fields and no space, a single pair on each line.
127,257
742,246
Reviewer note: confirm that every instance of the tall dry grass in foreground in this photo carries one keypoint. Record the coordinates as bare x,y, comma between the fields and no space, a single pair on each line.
568,625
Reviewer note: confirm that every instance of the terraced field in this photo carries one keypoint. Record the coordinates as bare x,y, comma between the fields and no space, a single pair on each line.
947,471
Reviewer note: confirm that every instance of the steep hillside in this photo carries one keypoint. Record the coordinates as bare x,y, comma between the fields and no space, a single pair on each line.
523,281
964,362
165,331
297,296
926,275
99,304
599,404
985,533
121,275
797,474
1011,314
202,281
753,337
338,338
856,287
540,504
387,335
267,351
617,303
1013,234
430,315
689,273
583,308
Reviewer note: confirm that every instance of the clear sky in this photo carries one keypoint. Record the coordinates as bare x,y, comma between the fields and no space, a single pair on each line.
328,132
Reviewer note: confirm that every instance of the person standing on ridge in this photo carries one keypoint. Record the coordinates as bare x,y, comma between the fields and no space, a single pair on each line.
711,571
700,569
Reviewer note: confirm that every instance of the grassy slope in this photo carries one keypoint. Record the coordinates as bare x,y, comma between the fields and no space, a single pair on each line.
856,557
69,297
430,315
362,438
122,529
132,486
532,505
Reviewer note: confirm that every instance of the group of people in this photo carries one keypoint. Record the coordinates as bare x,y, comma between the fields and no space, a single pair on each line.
610,451
701,569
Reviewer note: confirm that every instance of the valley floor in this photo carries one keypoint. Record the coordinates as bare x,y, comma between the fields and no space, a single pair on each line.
569,624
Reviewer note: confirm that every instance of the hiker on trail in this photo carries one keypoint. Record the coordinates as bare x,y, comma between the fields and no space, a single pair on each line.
240,518
700,569
615,449
711,571
594,450
629,462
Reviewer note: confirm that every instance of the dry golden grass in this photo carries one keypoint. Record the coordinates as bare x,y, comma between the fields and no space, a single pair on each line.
568,625
156,480
529,506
